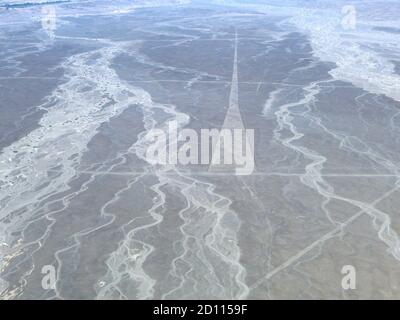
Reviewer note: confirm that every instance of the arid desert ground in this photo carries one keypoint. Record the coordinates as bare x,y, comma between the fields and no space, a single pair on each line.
84,214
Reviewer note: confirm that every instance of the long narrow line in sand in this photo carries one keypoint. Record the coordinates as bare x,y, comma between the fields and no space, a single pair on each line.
228,174
171,40
197,81
321,240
